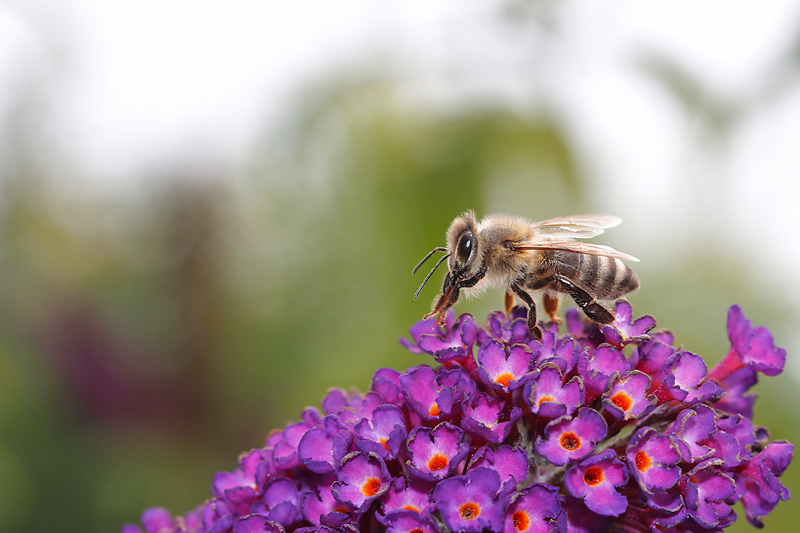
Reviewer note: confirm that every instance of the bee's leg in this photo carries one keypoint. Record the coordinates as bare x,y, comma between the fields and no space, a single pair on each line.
465,284
551,302
536,333
585,301
442,302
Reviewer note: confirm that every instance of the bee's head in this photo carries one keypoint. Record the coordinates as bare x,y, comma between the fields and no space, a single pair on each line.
463,246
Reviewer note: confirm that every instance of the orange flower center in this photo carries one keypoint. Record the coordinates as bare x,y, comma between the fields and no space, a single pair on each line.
469,511
434,410
503,379
593,475
622,400
410,508
437,462
544,399
521,521
383,441
370,486
642,461
570,441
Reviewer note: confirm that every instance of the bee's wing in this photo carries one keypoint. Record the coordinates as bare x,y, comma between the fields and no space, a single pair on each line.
574,246
576,226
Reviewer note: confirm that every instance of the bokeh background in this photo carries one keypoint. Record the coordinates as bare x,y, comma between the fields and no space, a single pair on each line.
209,210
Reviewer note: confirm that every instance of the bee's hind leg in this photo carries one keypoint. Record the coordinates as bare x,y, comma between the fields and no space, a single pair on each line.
585,301
536,333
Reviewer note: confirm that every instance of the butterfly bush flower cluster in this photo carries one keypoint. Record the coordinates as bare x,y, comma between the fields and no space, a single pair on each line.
591,429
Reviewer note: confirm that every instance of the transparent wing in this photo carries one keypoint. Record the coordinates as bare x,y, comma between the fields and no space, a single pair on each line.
576,226
574,246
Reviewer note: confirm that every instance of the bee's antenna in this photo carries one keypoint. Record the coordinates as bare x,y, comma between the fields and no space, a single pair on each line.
424,281
438,249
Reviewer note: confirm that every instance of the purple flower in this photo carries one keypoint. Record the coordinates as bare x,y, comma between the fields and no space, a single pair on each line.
596,480
435,453
409,522
280,502
508,329
511,464
569,439
361,479
627,396
653,460
705,492
240,488
321,508
452,341
322,448
762,489
624,330
433,396
564,352
256,524
754,347
600,367
487,418
411,495
386,383
601,428
548,396
384,433
686,379
694,427
503,368
469,502
537,509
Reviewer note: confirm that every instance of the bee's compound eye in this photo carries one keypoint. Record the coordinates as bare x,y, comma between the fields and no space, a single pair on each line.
465,246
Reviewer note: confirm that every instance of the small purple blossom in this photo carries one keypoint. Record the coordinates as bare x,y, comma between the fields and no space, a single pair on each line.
705,493
435,453
762,488
536,509
625,329
255,523
487,418
600,367
549,396
596,481
510,463
686,379
627,397
383,433
409,522
653,460
469,502
503,367
322,448
405,495
361,479
754,347
568,439
433,395
453,340
601,428
280,502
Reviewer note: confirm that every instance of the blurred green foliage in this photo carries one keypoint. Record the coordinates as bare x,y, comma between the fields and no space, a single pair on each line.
148,337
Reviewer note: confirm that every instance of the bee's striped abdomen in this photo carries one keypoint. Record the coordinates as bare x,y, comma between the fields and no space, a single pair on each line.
605,278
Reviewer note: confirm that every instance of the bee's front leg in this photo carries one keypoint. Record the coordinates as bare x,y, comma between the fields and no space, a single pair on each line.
536,333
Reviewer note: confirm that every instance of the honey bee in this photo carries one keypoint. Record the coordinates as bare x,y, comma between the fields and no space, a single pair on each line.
522,256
